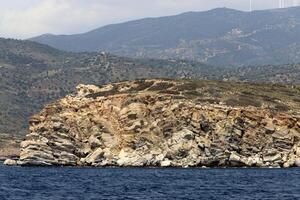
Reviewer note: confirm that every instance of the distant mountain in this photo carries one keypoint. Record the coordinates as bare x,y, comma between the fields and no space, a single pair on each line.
220,36
32,75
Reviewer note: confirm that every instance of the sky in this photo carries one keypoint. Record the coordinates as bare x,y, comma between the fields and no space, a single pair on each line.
23,19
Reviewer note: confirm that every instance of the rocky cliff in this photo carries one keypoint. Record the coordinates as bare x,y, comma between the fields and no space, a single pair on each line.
168,123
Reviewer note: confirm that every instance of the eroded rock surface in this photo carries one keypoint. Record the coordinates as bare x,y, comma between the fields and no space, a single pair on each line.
10,162
152,123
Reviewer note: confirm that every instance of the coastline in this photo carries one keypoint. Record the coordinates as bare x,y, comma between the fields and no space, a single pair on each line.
148,167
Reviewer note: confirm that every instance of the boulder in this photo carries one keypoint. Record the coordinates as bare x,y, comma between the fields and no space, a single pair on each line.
94,141
165,163
272,158
270,129
297,162
255,160
10,162
289,163
234,157
134,161
57,126
94,156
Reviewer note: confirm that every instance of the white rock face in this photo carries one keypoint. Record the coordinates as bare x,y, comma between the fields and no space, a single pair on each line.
165,163
10,162
297,162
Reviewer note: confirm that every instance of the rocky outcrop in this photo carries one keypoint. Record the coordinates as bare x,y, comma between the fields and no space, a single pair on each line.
10,162
152,123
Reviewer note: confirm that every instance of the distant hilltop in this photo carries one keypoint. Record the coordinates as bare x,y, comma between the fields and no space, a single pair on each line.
220,36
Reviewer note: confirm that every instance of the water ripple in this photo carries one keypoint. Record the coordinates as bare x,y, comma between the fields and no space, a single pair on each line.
135,183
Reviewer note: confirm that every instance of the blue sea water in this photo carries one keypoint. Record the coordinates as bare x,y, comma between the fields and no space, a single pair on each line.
137,183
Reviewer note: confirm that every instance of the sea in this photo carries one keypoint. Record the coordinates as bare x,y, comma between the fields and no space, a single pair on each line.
55,183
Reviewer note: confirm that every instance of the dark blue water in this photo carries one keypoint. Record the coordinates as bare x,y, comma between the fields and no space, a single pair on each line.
132,183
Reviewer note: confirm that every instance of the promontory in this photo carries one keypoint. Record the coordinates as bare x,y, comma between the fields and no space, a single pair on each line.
168,123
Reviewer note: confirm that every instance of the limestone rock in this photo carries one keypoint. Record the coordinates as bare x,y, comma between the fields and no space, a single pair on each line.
297,162
10,162
272,158
289,163
94,156
165,163
152,123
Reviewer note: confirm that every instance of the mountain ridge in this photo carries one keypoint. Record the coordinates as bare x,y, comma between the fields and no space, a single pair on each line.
220,37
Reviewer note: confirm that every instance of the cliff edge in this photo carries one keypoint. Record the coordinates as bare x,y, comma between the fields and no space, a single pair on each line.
177,123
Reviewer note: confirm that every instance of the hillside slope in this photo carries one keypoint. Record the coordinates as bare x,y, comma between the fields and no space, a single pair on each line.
220,36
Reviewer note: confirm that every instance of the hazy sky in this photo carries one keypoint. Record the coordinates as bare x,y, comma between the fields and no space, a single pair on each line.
27,18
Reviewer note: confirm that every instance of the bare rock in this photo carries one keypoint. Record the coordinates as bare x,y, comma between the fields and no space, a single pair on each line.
94,156
234,158
10,162
165,163
289,163
154,123
272,157
297,162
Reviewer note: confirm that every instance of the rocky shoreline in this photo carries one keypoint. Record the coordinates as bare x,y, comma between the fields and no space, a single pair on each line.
153,123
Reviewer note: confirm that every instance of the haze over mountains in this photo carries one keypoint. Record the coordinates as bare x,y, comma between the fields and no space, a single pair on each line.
219,37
